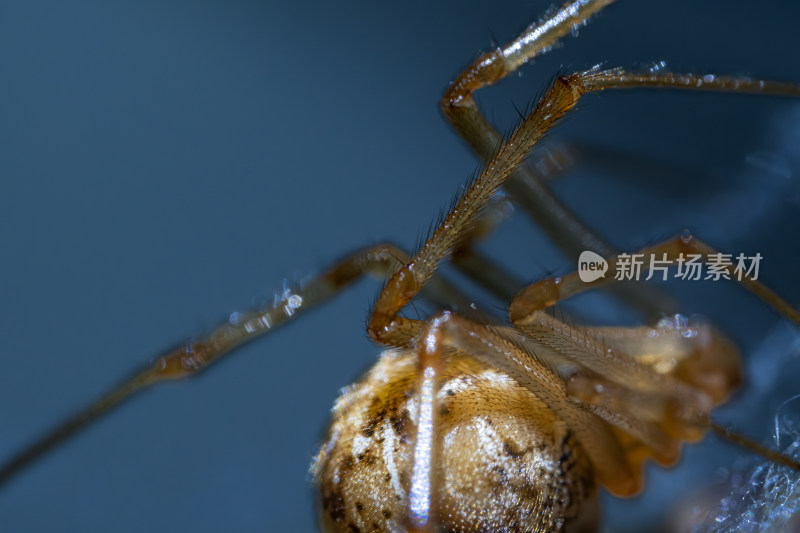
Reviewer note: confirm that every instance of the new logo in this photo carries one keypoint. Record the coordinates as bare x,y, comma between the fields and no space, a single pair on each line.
591,266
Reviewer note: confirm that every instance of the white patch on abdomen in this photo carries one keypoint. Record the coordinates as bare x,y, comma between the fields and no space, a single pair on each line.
389,446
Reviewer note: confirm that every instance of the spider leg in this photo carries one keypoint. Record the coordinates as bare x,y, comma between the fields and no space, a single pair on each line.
528,185
649,377
189,359
380,260
507,352
422,500
714,368
487,273
546,293
549,164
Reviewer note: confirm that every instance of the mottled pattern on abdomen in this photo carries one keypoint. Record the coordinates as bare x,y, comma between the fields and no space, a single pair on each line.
506,462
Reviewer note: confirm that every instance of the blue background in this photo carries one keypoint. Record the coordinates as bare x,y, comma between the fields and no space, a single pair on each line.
165,163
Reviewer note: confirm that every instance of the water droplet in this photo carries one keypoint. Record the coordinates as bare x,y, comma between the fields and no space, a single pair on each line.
294,301
665,323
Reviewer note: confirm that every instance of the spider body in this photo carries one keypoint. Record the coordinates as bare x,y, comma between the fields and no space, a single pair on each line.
174,257
504,459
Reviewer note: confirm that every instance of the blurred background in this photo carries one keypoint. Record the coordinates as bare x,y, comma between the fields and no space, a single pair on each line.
165,163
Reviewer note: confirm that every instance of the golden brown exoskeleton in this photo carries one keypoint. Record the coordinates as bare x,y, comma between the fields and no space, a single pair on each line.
469,423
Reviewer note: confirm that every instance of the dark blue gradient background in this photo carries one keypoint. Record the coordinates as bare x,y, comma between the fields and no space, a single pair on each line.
164,163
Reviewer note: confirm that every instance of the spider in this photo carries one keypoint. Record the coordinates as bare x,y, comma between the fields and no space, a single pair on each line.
148,332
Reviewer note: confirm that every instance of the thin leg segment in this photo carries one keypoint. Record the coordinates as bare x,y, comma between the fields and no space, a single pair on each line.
381,260
547,292
427,441
613,352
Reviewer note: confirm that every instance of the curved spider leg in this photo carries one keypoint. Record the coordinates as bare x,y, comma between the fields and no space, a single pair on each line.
625,362
714,368
654,384
189,359
380,260
528,185
547,292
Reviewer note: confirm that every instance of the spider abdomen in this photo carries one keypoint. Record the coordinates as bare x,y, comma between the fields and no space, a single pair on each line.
506,462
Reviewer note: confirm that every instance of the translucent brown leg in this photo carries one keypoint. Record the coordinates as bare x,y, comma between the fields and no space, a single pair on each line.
623,360
546,293
549,164
611,351
424,481
189,359
381,261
